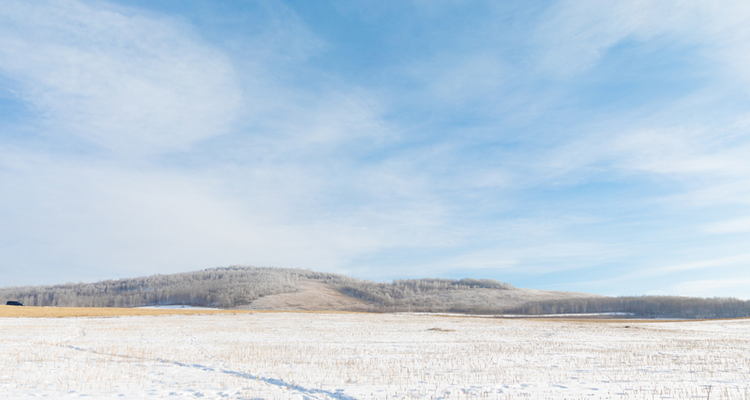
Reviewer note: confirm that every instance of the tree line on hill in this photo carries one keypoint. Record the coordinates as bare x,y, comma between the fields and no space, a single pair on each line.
415,294
641,306
218,287
236,286
230,287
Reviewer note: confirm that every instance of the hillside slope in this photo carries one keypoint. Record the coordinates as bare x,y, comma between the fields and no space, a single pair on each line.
317,296
310,296
253,288
261,288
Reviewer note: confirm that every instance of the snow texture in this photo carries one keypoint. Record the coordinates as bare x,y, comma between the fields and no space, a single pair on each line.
370,356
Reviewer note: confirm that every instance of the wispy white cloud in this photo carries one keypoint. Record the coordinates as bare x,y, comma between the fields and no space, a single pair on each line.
725,192
704,264
642,277
576,35
474,151
679,152
140,84
737,225
122,80
101,216
733,287
460,79
691,141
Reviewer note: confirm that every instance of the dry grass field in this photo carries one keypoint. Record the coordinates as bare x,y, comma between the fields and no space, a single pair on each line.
63,312
66,312
220,355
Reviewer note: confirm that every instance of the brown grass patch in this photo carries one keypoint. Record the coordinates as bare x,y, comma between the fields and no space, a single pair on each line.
64,312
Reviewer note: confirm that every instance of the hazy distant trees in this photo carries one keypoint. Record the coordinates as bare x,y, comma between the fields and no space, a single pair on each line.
642,306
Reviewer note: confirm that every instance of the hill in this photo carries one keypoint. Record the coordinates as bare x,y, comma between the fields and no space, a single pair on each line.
254,288
285,289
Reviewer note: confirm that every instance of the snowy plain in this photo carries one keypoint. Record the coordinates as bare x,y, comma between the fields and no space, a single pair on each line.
370,356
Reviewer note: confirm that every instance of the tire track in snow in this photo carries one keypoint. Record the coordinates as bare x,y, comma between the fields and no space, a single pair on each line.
303,391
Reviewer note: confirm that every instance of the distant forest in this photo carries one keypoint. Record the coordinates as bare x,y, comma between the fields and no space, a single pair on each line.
229,287
237,286
643,306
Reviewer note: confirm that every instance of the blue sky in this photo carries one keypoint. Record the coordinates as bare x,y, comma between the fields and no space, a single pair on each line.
600,147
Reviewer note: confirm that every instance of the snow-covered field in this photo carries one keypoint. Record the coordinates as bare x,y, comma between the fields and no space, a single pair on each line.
365,356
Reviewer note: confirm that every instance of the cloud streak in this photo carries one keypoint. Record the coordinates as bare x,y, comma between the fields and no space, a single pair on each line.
548,146
124,81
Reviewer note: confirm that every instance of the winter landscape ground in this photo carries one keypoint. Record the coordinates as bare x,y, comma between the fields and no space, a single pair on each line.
371,356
